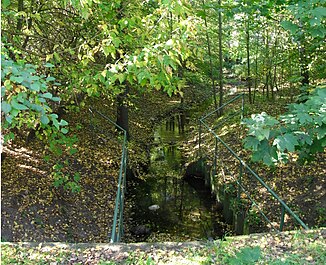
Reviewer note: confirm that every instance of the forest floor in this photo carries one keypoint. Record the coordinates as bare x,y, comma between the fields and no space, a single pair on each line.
34,211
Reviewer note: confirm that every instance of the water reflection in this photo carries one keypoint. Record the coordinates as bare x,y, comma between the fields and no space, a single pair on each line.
186,209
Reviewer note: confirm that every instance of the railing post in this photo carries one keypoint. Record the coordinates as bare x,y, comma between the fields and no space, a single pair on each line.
282,217
121,217
215,159
239,182
242,107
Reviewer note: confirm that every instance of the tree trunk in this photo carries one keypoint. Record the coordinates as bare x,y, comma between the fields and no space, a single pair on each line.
122,111
291,83
248,61
304,67
220,55
29,24
210,59
267,64
256,79
256,70
20,20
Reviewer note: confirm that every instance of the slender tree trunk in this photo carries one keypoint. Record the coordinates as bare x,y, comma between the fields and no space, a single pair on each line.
20,19
291,84
29,24
267,85
267,65
210,59
273,78
271,84
256,70
303,59
220,55
122,110
304,69
248,60
256,80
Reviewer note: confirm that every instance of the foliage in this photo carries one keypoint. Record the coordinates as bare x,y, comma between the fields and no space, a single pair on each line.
26,98
27,104
65,180
246,255
139,47
301,130
309,17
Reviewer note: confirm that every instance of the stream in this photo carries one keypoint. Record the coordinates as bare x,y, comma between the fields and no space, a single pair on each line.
165,206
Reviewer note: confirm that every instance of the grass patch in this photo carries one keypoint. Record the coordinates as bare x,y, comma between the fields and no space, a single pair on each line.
295,247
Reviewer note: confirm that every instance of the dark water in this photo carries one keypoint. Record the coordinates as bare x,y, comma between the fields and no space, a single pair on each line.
187,210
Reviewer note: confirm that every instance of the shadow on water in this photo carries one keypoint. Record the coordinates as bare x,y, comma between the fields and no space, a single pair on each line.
183,209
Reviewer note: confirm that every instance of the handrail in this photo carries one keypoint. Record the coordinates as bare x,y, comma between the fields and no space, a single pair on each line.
284,206
221,107
117,226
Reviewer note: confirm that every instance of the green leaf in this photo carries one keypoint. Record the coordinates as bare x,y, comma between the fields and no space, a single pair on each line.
55,123
56,99
319,12
14,112
17,79
63,123
8,137
109,50
42,100
265,153
304,138
73,151
49,65
320,131
9,118
249,255
36,86
260,133
64,130
53,116
45,120
5,107
5,3
116,42
287,141
288,25
50,78
47,95
76,177
251,143
121,77
18,106
318,145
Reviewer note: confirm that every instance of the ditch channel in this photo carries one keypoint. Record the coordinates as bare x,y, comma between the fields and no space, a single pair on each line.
165,205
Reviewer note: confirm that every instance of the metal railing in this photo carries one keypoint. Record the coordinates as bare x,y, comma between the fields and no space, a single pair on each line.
117,226
240,168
